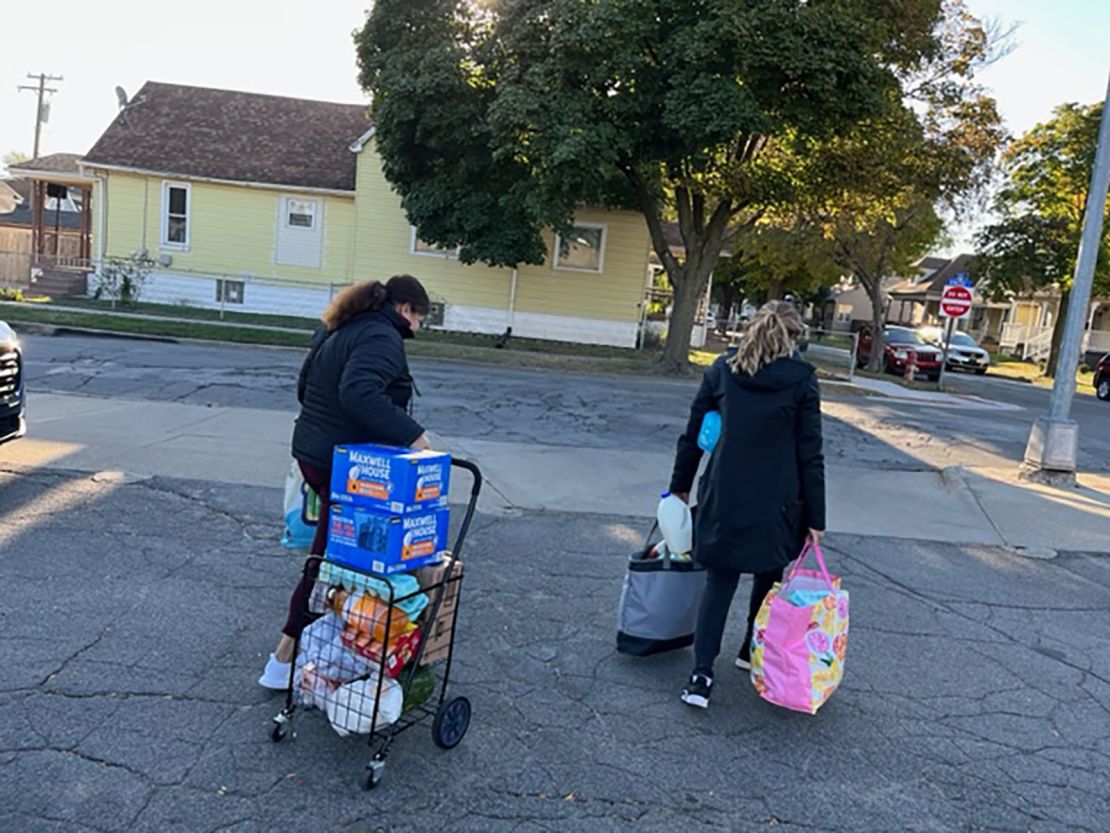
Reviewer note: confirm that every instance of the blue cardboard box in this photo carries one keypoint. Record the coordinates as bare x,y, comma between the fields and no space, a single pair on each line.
385,543
398,480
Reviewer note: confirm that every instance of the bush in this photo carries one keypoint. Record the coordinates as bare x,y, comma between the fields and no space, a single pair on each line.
121,279
11,293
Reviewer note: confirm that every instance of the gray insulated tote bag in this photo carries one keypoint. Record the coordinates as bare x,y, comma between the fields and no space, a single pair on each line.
659,605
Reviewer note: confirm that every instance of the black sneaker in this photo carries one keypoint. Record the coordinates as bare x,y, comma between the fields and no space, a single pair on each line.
696,692
744,658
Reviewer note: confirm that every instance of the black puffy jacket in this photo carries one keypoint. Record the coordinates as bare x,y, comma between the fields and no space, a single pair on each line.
764,485
355,387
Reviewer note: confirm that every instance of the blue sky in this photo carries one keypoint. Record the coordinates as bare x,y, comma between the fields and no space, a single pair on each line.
289,47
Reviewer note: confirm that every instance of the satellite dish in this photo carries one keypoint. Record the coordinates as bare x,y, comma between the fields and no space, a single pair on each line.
121,94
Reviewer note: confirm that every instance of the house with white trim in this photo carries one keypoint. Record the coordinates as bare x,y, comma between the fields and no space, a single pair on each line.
267,204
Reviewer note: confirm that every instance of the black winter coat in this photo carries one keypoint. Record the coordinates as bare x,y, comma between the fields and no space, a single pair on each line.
355,387
764,485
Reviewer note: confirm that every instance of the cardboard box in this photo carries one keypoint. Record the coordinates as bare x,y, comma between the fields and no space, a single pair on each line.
398,480
438,633
384,543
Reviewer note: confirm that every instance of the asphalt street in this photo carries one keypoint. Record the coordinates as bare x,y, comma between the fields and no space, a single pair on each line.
136,613
136,616
564,409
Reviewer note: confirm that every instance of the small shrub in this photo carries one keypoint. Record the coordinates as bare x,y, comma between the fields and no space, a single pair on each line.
121,279
11,293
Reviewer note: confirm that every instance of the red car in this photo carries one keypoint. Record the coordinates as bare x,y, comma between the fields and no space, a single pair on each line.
1102,378
898,344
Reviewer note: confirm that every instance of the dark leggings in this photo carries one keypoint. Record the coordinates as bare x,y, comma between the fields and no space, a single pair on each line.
720,587
319,480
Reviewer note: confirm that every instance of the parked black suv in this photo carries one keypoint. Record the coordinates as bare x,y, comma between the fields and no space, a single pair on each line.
12,402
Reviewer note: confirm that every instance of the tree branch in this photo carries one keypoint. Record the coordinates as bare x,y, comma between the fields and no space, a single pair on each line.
649,207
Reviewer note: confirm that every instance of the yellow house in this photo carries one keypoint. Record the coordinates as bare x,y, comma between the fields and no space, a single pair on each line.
266,204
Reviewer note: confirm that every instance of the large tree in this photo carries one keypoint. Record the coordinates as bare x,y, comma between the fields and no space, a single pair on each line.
1034,243
497,119
877,190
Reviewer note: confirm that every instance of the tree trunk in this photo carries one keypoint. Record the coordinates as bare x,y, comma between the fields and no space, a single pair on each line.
775,289
1058,334
687,295
878,324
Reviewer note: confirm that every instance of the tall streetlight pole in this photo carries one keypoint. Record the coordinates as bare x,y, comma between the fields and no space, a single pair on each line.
1053,447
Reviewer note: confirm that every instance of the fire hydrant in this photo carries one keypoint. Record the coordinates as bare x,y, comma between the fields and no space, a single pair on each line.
911,365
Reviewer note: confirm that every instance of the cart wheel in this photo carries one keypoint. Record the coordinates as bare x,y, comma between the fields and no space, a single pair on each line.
374,774
452,721
277,734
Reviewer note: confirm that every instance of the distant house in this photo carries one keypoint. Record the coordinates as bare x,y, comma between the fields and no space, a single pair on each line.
849,305
272,205
918,304
1019,325
41,224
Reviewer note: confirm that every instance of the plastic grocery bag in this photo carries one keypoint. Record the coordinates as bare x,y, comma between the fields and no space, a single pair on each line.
351,707
800,638
302,510
324,663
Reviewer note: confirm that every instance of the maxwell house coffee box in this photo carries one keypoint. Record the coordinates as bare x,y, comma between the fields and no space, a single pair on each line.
381,542
399,480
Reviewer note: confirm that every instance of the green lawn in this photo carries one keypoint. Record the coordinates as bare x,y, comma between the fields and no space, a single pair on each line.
1010,368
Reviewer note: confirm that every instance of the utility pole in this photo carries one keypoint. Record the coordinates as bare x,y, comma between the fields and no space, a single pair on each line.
42,90
1053,447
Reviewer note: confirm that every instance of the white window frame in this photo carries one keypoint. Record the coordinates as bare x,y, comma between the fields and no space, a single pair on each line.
446,254
600,255
165,242
288,209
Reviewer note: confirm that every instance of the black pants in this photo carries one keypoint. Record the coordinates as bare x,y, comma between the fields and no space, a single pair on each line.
720,587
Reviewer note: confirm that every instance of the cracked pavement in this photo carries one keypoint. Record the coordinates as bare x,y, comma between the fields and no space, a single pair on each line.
135,616
135,620
589,411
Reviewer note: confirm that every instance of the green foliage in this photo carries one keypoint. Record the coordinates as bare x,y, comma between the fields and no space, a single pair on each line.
1041,205
121,279
496,120
15,157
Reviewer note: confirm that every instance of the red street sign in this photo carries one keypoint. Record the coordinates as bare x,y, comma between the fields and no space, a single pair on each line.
955,302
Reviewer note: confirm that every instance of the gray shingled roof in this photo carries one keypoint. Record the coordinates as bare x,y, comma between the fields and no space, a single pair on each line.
235,136
58,163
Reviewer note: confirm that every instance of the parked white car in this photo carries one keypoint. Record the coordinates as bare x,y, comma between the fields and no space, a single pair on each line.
966,354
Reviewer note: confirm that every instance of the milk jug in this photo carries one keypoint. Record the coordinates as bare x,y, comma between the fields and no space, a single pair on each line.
676,523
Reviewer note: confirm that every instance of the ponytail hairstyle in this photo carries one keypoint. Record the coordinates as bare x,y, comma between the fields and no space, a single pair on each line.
772,334
371,295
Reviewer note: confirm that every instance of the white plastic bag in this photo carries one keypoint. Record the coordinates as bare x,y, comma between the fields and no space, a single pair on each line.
324,662
350,707
302,510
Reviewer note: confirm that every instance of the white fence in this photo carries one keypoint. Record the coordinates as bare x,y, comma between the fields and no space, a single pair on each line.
1032,343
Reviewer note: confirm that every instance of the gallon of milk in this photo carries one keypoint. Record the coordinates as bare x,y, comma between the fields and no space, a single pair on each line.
676,523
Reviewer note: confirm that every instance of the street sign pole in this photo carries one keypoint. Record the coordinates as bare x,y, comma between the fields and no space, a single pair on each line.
1053,448
949,326
956,300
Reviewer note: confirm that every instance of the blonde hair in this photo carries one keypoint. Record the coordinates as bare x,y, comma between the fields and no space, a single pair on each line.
772,334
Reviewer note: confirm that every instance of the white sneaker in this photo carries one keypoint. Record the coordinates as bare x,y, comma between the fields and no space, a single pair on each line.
276,675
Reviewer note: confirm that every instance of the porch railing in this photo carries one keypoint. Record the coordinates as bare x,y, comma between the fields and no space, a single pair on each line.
62,263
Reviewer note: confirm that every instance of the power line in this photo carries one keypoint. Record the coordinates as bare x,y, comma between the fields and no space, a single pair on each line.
41,114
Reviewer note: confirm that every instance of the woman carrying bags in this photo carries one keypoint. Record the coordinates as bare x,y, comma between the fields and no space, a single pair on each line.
354,387
763,490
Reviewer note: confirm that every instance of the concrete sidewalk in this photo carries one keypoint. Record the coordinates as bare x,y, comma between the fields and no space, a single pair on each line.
929,398
251,447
